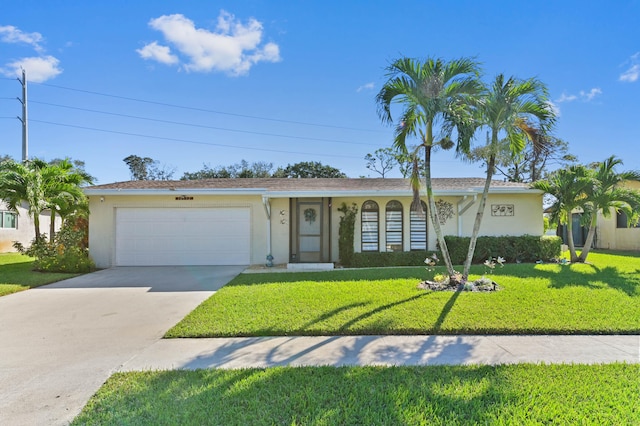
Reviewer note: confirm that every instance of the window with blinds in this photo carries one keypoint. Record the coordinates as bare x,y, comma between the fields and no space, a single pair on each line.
418,228
393,227
369,222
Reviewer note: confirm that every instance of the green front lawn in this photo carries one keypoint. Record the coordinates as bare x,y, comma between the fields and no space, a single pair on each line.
442,395
601,297
16,274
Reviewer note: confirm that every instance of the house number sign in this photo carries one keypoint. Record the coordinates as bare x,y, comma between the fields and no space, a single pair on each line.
183,198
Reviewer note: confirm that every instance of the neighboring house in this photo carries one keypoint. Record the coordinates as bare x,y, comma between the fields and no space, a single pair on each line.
241,221
614,233
18,226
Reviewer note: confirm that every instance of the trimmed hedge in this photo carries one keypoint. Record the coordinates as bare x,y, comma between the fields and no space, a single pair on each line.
526,248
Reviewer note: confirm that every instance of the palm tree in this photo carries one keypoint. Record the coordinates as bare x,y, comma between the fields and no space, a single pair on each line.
42,186
430,93
514,112
63,190
568,186
606,195
23,183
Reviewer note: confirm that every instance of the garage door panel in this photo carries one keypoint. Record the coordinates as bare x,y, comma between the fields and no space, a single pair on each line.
185,236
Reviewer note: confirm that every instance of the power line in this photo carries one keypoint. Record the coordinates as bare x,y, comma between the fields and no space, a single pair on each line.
189,141
209,110
200,125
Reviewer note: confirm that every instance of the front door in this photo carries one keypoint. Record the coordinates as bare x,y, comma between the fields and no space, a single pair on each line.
310,231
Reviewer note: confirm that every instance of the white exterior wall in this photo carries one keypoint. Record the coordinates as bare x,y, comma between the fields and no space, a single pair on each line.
102,220
280,222
25,231
609,236
527,219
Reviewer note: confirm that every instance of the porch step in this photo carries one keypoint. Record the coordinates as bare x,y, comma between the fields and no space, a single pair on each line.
310,266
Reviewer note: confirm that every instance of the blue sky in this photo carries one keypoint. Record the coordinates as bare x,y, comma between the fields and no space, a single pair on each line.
213,82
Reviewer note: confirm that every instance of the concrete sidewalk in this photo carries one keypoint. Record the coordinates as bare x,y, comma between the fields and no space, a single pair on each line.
383,350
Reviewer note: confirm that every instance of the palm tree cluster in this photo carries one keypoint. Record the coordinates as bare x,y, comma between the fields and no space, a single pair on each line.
439,99
592,190
42,186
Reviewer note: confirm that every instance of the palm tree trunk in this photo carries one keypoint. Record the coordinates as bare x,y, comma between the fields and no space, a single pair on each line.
36,224
52,226
589,241
476,225
572,247
433,214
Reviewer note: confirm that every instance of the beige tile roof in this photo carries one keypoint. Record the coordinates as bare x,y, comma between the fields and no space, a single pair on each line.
298,185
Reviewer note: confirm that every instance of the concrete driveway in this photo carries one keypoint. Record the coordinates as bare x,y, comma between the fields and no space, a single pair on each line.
60,342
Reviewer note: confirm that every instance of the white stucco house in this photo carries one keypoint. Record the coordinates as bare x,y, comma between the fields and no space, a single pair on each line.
242,221
18,226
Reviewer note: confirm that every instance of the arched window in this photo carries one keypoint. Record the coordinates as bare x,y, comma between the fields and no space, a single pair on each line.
394,226
369,216
418,227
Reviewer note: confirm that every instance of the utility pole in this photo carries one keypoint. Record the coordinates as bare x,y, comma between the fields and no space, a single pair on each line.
25,128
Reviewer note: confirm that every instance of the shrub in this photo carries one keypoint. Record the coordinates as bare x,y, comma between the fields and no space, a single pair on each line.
525,248
379,259
346,233
67,253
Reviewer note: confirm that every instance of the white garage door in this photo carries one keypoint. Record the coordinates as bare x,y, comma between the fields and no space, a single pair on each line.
186,236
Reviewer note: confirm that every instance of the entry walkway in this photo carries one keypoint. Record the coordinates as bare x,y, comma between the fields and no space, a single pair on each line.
383,350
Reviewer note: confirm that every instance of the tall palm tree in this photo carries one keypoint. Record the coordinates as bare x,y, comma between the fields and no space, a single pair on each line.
515,112
606,195
568,186
431,93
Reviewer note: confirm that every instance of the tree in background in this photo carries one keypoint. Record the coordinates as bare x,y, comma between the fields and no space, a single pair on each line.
514,111
430,93
382,161
260,169
308,169
606,194
146,168
531,164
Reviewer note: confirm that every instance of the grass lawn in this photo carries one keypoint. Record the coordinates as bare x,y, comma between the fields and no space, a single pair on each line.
16,274
442,395
598,298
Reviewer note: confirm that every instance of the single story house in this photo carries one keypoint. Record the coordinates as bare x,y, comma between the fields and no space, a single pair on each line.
614,233
243,221
18,226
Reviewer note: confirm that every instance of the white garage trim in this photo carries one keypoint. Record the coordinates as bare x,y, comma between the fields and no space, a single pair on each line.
183,236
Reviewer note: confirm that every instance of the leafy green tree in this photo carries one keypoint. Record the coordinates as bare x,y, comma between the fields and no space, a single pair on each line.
146,168
518,112
259,169
308,169
63,191
606,194
430,93
531,164
568,186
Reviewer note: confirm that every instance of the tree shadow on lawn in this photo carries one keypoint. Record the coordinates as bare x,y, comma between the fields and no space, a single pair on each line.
325,395
584,275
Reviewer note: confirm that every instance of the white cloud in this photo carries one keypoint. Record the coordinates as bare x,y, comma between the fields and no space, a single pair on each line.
566,98
554,108
38,68
582,95
633,72
588,96
232,47
11,34
368,86
158,53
